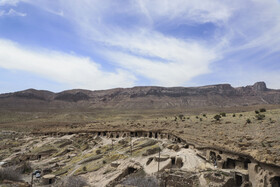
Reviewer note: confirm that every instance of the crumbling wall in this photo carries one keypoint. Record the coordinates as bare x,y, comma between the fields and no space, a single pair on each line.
264,175
259,173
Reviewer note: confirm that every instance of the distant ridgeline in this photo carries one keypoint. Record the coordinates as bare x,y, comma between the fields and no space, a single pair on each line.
144,97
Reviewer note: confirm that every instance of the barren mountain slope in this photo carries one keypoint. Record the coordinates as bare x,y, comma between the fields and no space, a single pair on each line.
143,97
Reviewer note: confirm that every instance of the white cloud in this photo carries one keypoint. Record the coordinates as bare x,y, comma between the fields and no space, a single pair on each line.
12,12
78,72
255,27
8,2
164,60
11,2
240,27
187,10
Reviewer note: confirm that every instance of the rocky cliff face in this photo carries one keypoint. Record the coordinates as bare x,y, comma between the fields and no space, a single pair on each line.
145,97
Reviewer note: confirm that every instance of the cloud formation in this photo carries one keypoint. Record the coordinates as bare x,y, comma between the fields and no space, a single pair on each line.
144,51
143,38
75,71
164,60
12,12
9,2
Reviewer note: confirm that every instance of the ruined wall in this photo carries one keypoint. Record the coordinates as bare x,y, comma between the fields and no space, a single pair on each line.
245,168
264,175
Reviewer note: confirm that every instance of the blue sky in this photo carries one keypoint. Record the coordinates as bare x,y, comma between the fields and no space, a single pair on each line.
101,44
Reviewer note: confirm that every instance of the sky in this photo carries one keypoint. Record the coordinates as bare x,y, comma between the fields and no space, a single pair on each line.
101,44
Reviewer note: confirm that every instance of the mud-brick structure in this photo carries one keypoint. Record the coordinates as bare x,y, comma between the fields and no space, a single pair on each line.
48,179
244,168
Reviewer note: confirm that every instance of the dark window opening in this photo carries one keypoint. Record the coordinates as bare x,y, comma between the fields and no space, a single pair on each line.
217,174
117,136
275,181
136,134
104,133
246,162
50,181
156,135
179,140
238,180
213,157
149,161
150,134
173,160
229,164
130,170
99,133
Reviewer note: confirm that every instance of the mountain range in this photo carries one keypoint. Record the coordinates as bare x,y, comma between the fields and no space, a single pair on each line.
144,97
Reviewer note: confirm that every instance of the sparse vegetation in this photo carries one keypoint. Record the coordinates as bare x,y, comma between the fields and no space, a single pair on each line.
262,110
10,173
223,114
260,116
248,121
233,115
26,167
181,116
257,112
217,117
74,181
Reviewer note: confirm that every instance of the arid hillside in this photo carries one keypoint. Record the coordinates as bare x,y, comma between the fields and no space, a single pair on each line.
208,136
222,95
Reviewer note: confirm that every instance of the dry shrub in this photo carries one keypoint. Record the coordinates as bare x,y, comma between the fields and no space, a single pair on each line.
74,181
140,179
25,168
10,173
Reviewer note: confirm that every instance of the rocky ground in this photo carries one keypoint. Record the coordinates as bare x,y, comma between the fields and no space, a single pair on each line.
100,161
242,132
